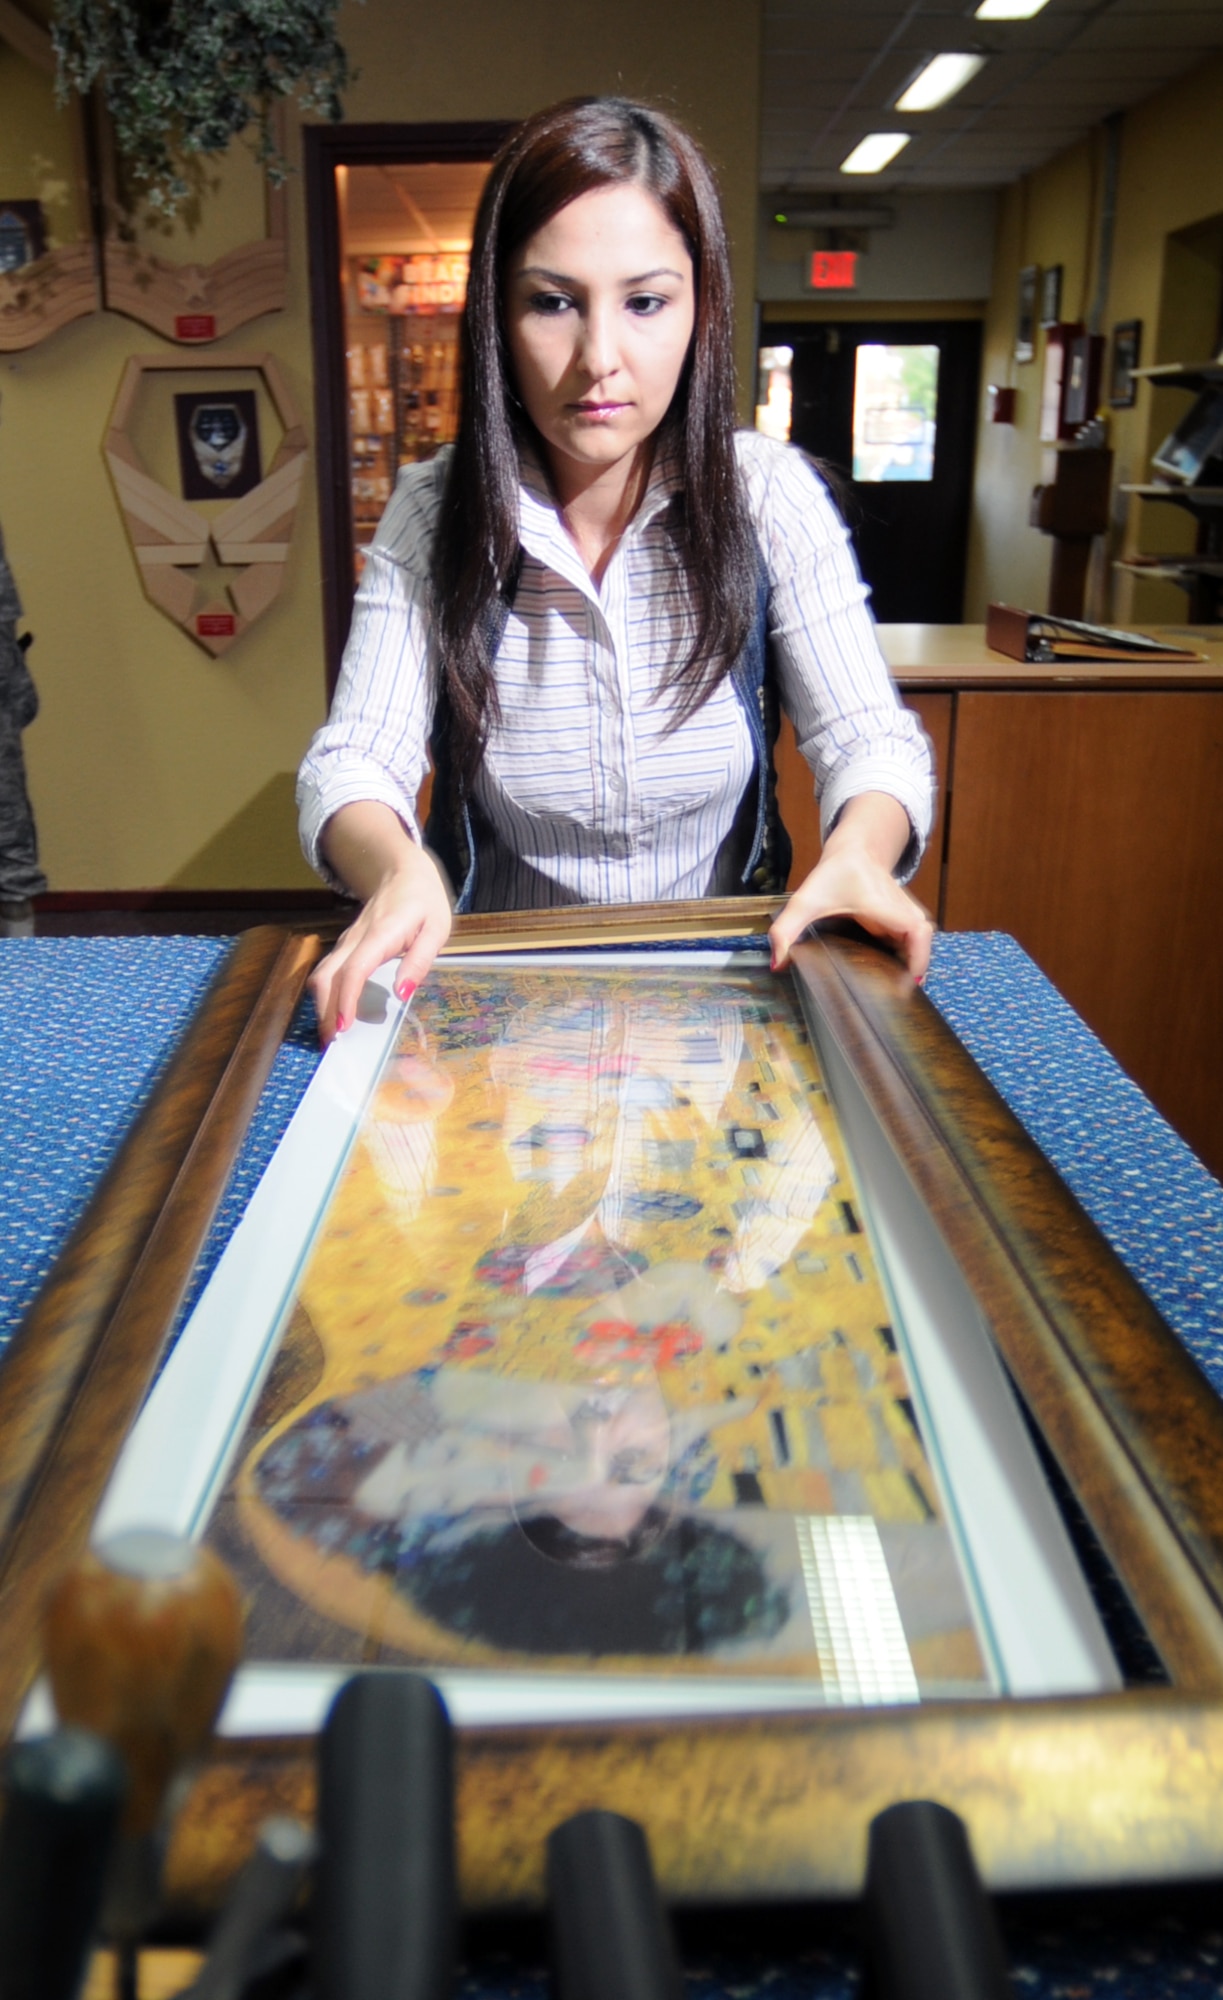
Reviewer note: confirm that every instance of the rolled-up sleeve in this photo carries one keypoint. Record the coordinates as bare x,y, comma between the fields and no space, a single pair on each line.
374,744
847,717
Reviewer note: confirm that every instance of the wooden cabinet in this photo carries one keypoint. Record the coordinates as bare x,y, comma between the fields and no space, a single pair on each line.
800,813
1084,815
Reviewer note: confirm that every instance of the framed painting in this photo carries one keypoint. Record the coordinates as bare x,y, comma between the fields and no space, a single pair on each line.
1051,295
674,1361
1127,353
1025,318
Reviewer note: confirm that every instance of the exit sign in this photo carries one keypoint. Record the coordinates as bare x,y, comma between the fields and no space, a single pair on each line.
834,270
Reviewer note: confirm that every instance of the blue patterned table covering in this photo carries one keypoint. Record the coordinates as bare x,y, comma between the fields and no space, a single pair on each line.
88,1024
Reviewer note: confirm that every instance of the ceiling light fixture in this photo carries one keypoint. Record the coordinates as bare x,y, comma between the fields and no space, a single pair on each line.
872,154
938,80
1009,10
829,215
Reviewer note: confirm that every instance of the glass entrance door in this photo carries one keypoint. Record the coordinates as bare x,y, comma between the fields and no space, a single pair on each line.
890,409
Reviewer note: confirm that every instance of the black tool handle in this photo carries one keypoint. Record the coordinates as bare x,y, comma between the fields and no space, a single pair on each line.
63,1795
610,1936
386,1877
263,1894
930,1928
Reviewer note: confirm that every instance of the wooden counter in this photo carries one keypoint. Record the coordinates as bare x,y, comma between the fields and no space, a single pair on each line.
1082,811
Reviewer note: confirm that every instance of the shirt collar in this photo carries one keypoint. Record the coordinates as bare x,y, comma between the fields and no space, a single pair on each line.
540,527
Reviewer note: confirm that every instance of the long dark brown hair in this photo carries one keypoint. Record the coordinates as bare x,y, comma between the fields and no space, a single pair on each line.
569,150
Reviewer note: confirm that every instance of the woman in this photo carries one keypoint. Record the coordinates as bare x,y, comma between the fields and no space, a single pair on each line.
574,599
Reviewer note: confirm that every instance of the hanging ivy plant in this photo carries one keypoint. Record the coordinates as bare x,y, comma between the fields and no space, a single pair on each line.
184,77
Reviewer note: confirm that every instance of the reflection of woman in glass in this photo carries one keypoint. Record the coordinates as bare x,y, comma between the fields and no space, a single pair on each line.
623,1074
535,1516
400,1133
605,1100
573,604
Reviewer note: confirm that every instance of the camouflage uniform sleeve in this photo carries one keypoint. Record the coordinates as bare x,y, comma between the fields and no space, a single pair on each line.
18,695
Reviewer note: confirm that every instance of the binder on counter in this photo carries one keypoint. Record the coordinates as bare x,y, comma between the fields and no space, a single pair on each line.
1035,636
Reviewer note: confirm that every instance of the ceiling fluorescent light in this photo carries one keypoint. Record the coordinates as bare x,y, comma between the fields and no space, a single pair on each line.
872,154
1009,10
939,80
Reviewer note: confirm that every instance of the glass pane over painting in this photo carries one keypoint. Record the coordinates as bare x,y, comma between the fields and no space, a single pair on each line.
406,242
591,1367
895,411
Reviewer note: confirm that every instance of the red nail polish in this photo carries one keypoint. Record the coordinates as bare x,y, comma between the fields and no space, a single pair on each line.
405,989
340,1024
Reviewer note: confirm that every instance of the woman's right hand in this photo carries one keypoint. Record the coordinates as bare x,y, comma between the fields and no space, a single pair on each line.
405,914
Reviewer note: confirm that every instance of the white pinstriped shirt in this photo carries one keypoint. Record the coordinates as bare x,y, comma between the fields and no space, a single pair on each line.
588,797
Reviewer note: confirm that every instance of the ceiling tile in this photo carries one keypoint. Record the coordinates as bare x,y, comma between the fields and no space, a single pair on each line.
1177,30
833,68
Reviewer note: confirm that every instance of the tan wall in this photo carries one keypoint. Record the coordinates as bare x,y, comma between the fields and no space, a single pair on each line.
1171,178
817,312
38,161
152,764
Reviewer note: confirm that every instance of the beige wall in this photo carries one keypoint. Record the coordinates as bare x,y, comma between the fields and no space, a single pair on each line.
152,764
1170,179
38,161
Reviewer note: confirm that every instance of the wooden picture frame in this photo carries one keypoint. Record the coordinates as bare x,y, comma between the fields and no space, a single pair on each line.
1103,1789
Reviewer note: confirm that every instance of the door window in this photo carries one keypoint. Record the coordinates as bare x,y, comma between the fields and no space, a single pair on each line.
773,392
895,411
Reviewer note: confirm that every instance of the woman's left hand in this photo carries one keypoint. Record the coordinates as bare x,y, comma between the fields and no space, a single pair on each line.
853,878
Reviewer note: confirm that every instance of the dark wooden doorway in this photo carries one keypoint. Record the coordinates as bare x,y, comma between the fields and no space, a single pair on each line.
913,448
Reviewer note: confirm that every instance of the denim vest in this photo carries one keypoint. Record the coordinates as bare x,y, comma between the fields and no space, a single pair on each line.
754,858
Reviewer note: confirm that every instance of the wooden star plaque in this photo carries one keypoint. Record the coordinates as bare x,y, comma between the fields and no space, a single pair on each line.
178,546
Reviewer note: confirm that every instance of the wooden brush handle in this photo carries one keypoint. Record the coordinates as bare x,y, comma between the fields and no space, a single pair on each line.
142,1637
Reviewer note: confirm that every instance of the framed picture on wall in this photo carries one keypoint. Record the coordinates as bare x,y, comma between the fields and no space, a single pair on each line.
1082,385
1025,324
249,526
1051,296
1127,352
218,443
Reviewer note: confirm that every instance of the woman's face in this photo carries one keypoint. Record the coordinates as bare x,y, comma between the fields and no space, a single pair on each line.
600,306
